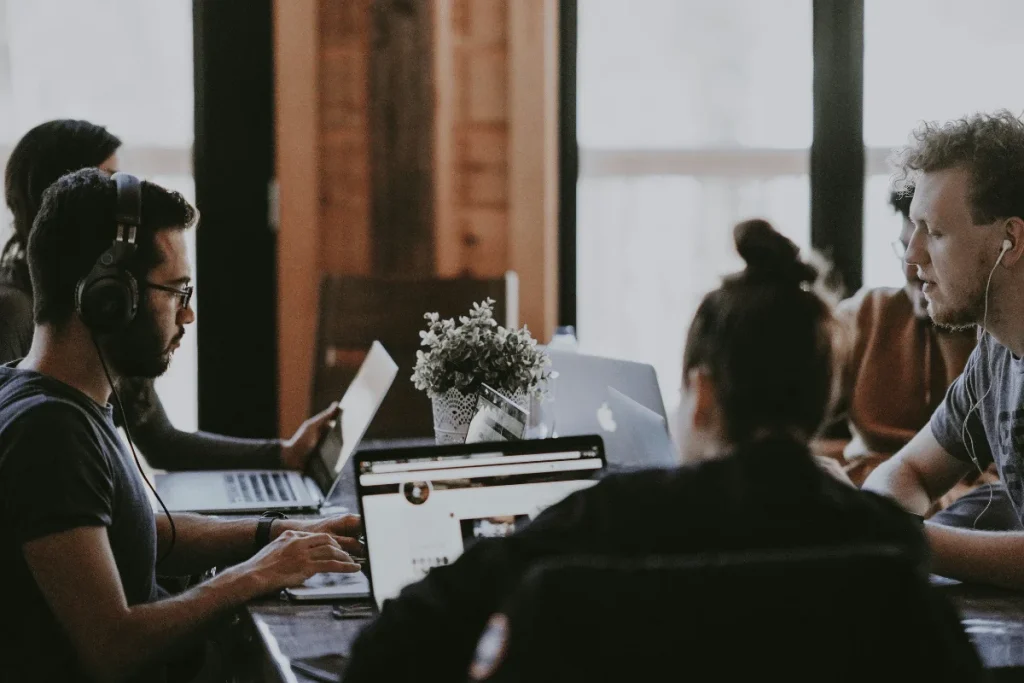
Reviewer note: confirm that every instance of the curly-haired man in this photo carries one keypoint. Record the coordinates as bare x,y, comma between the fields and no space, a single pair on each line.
968,248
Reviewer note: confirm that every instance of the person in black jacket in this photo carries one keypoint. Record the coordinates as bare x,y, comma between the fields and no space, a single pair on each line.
44,154
759,377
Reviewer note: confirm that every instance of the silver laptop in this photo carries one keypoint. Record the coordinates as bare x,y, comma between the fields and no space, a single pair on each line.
583,404
635,436
422,507
239,491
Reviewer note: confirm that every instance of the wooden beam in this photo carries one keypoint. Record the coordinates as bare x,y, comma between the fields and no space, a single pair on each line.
401,111
344,149
297,106
533,160
447,246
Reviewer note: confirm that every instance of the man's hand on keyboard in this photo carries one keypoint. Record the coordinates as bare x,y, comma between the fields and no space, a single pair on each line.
293,557
345,529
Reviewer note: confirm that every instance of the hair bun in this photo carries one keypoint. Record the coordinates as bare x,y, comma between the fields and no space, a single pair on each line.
771,256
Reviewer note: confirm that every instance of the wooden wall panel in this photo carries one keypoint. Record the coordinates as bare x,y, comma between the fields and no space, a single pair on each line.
472,34
401,112
533,160
414,137
344,138
296,122
323,171
497,137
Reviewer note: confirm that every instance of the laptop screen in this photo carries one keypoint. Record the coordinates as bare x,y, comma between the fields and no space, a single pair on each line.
358,407
423,507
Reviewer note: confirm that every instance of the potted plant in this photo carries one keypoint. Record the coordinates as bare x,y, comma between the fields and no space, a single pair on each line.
462,357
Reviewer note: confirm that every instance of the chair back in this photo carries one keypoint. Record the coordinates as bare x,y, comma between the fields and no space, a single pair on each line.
355,311
849,614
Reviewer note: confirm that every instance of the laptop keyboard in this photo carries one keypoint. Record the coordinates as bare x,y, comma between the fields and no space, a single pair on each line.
265,487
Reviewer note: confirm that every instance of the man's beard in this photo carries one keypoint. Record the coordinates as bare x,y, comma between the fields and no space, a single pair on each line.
139,351
965,317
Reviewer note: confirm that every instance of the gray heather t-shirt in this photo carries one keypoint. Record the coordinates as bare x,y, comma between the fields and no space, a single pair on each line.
995,429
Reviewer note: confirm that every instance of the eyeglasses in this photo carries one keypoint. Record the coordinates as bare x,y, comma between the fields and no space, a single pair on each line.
900,250
184,293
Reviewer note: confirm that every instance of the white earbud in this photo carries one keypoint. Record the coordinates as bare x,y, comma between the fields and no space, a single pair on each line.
1007,246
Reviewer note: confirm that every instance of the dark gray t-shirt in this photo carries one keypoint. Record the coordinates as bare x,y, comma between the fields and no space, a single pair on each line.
995,430
62,466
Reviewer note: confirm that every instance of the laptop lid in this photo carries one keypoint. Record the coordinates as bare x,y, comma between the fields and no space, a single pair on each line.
422,507
358,406
581,389
635,437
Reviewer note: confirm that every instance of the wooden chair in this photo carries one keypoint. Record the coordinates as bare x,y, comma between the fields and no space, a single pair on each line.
355,311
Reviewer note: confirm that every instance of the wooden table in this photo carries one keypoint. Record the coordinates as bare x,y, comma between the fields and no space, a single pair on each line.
281,630
287,631
994,621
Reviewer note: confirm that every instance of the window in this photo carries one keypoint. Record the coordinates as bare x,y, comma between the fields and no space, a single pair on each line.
691,116
124,64
931,60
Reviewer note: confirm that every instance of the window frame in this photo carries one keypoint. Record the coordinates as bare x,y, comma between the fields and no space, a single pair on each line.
837,163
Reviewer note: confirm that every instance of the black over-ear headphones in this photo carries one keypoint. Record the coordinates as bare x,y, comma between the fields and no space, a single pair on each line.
107,299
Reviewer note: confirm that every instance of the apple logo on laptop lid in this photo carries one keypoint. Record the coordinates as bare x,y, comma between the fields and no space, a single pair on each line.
606,418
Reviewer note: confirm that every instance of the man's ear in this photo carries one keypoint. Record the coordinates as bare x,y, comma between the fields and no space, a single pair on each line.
1014,232
705,402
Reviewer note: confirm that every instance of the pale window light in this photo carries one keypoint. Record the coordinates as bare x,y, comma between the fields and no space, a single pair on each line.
931,60
695,114
692,115
57,60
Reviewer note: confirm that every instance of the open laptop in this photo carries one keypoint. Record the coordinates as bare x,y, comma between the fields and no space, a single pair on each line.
241,491
422,507
585,404
634,436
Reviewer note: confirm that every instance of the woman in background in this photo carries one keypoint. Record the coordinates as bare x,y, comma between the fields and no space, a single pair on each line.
43,155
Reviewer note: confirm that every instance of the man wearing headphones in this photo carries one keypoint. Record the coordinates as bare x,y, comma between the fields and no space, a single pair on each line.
967,246
79,541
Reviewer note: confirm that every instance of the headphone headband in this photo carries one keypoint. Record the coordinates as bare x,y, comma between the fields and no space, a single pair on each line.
129,200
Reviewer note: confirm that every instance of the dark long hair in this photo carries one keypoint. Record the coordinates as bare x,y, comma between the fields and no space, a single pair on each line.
43,155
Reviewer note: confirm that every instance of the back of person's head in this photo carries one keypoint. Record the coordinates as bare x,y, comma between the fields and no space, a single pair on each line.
43,155
76,223
899,200
989,146
767,339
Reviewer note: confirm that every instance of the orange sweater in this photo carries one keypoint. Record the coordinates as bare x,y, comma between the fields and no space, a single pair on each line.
897,371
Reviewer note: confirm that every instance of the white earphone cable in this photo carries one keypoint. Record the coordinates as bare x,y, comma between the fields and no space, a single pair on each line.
965,436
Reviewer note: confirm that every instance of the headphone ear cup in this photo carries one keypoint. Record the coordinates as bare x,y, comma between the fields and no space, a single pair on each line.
107,300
